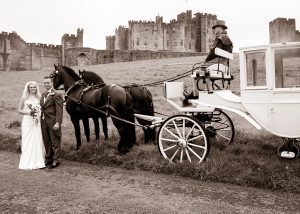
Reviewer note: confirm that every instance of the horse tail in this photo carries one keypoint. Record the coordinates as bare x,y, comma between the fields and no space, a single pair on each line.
130,135
147,108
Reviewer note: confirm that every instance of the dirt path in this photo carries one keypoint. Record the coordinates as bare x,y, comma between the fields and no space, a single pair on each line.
82,188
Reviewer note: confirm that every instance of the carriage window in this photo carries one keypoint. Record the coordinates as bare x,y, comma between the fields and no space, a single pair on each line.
287,68
256,69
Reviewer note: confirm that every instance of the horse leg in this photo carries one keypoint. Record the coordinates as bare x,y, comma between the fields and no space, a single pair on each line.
104,126
97,127
86,127
128,133
76,125
149,133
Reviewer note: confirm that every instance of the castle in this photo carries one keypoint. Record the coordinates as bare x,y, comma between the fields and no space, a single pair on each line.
186,34
16,54
283,30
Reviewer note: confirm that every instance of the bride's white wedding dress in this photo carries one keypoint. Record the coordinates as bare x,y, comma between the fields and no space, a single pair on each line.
33,150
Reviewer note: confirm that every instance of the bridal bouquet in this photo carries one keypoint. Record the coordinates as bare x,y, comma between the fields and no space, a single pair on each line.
35,112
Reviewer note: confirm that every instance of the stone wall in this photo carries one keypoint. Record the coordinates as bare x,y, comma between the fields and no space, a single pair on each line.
89,56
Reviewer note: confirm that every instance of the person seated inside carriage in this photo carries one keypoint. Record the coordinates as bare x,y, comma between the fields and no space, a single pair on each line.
219,64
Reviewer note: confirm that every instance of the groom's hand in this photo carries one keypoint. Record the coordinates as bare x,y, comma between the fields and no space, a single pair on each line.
56,126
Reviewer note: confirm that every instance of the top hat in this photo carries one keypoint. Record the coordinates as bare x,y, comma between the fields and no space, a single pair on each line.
220,23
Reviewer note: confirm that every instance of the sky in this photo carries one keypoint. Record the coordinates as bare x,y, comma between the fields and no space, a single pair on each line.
45,21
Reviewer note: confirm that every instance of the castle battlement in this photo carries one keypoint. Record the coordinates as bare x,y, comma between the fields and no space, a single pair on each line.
3,33
41,45
69,35
141,22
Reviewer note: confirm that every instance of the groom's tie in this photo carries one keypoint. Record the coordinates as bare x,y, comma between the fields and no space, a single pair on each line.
46,96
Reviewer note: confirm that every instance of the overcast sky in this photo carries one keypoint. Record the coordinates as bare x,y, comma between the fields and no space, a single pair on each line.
45,21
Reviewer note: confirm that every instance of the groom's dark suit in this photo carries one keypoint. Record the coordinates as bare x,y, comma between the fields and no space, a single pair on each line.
52,112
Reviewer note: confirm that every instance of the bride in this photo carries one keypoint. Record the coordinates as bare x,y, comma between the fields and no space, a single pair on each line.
32,147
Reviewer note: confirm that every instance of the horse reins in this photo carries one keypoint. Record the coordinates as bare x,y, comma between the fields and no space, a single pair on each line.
171,79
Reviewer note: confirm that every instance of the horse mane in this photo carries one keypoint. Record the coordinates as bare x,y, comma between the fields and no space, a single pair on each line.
72,73
92,77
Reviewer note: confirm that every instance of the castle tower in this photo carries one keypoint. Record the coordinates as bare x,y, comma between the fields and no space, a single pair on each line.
110,42
79,38
283,30
71,41
121,38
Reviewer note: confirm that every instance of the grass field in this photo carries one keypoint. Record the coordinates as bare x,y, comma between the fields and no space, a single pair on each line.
251,160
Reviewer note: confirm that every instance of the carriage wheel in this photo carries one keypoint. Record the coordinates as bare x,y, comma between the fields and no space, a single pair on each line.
181,138
220,127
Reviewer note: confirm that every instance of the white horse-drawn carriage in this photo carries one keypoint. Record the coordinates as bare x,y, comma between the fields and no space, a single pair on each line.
269,98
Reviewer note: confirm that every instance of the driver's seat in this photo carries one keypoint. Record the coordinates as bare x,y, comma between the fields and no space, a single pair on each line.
220,71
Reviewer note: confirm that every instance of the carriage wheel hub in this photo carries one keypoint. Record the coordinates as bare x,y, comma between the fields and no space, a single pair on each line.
182,143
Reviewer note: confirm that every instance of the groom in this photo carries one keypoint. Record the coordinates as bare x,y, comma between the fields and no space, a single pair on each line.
52,112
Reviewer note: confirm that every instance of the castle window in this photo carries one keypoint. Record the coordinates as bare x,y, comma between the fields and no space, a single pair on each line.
146,29
181,42
168,43
175,42
167,30
155,28
174,29
190,46
137,41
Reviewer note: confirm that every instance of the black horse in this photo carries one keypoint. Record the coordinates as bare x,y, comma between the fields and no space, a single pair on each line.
83,100
142,100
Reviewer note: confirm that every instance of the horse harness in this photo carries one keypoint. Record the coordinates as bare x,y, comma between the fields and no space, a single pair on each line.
106,93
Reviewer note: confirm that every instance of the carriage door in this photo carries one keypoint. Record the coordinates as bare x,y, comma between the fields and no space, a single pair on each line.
82,60
254,87
286,95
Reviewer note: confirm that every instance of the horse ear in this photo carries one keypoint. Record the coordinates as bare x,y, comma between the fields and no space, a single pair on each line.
55,66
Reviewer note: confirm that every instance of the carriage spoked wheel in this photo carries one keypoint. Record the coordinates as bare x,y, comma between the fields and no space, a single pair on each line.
218,126
181,138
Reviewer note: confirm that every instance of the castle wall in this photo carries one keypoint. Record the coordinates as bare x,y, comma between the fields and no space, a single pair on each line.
80,56
93,57
26,56
42,56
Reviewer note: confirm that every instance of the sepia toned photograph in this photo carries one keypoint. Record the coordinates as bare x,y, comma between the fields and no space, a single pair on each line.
170,106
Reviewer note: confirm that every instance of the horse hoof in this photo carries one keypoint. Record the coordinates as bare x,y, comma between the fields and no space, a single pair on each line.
123,150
